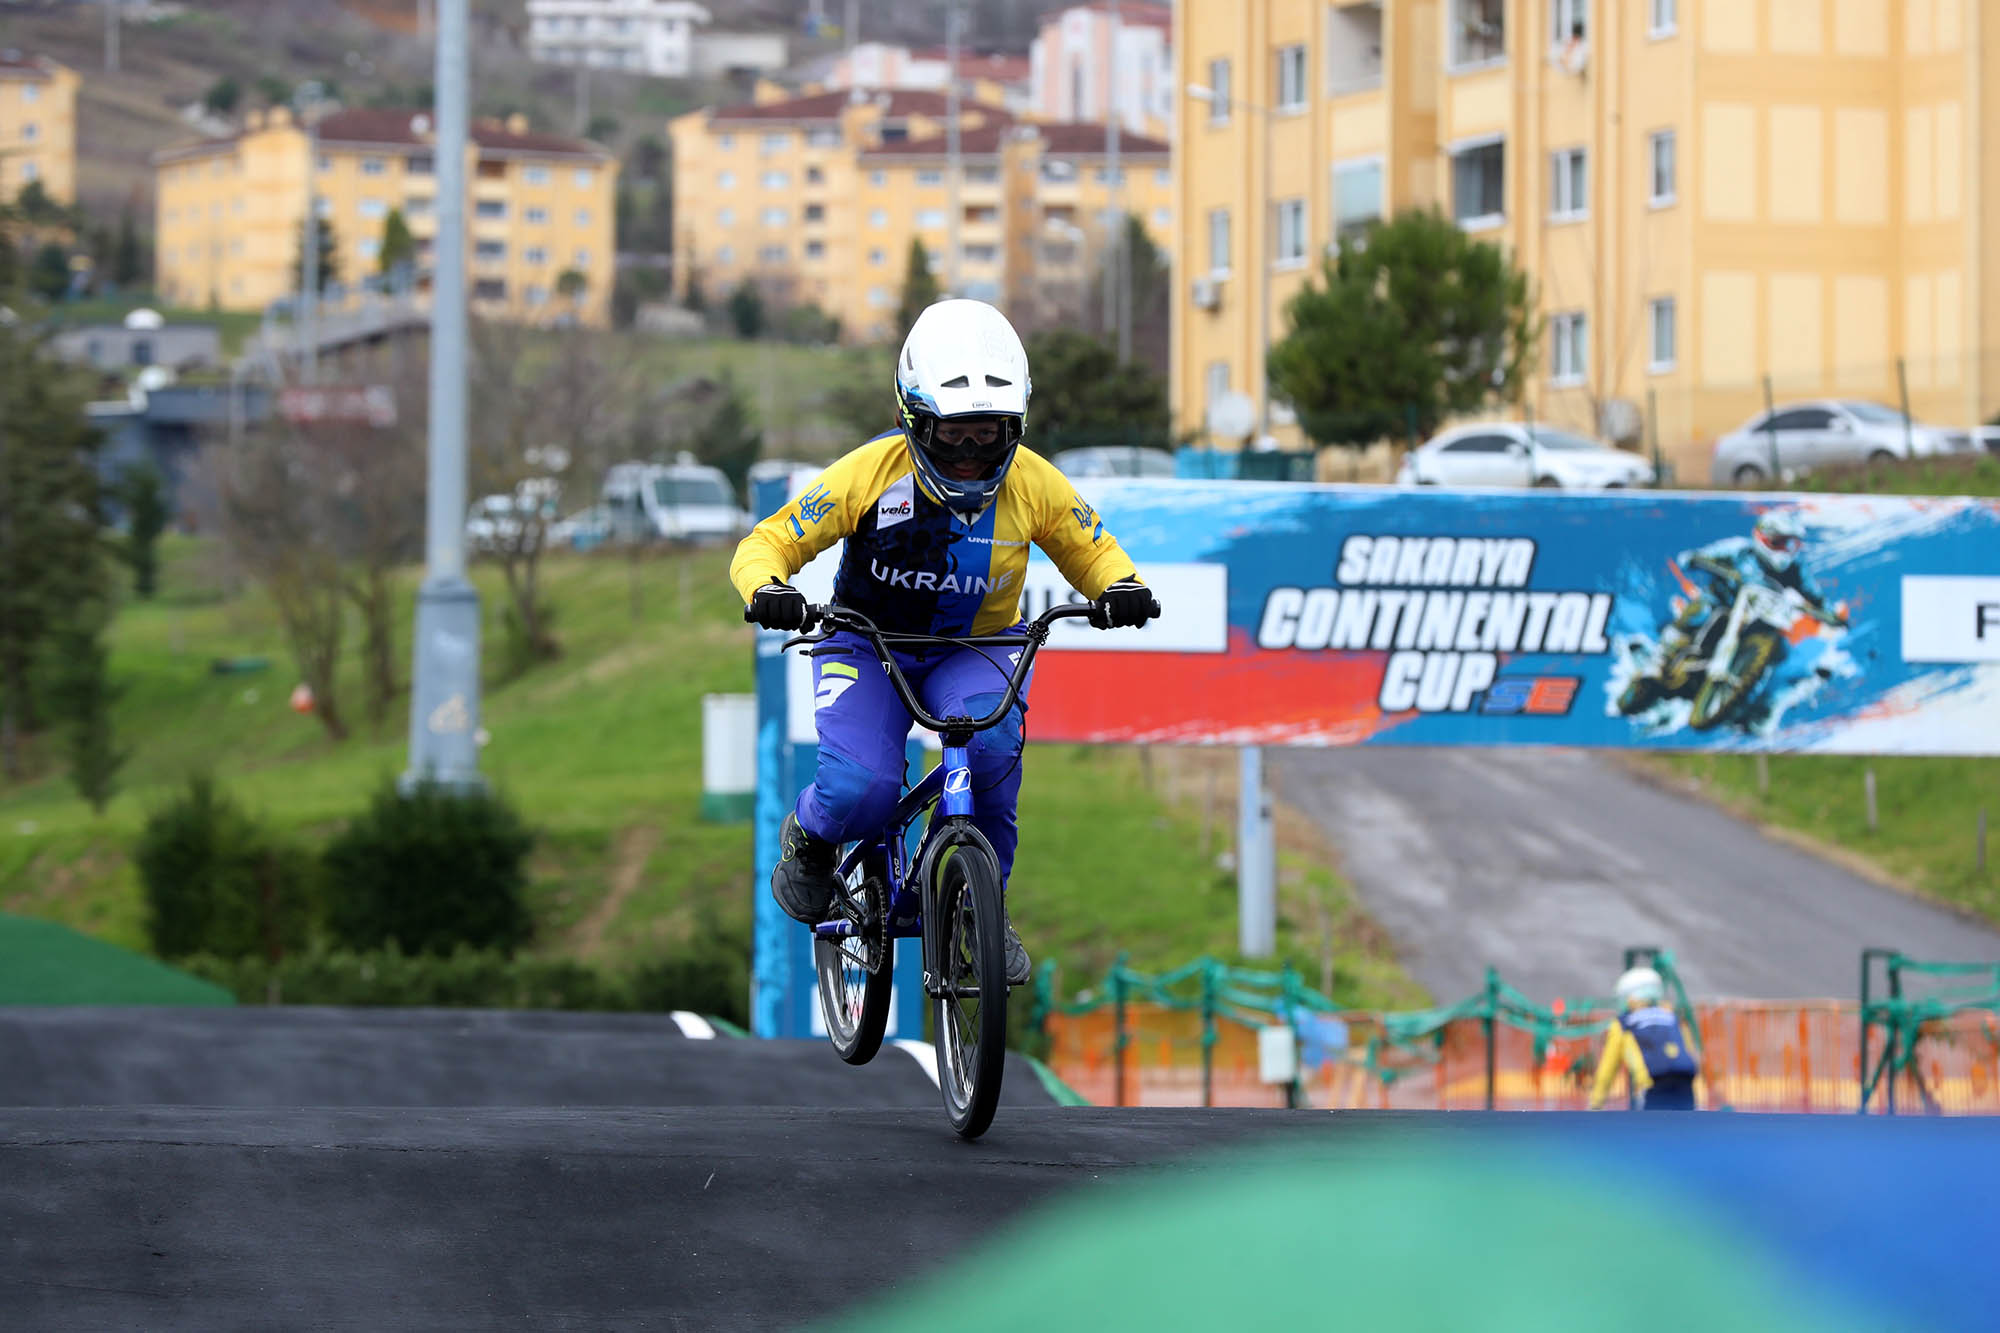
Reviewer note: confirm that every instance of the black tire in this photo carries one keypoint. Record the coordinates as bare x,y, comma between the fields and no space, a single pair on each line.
856,974
1547,484
1879,457
1641,693
971,1040
1717,700
1747,476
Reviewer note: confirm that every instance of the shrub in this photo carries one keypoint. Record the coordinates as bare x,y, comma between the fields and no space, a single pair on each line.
430,871
217,882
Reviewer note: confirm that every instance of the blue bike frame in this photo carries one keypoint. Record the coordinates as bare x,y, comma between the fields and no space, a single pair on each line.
949,785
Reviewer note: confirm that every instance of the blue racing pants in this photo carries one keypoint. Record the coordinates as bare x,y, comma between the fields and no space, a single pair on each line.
862,726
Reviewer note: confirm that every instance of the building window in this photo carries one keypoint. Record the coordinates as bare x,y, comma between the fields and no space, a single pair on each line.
535,215
1663,168
417,206
726,142
1569,21
1478,32
726,255
30,131
777,180
535,255
878,179
771,254
1218,88
982,175
815,176
1568,334
372,208
583,177
930,217
1106,176
367,248
1292,78
30,93
417,166
930,176
1163,177
31,170
1478,184
877,258
373,166
1665,18
535,175
489,289
583,217
1357,198
535,294
879,298
776,217
490,251
824,136
490,209
982,254
581,259
726,218
1218,242
1665,350
1291,233
1161,218
815,249
325,163
726,181
1215,382
775,142
1569,185
815,212
878,217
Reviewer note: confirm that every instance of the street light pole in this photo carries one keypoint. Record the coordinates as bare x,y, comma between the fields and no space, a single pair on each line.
952,163
306,102
444,684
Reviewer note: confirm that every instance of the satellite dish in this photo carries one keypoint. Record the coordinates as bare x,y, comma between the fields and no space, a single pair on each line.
142,318
1232,416
1618,420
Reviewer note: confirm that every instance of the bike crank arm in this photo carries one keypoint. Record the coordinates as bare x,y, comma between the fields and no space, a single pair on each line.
837,929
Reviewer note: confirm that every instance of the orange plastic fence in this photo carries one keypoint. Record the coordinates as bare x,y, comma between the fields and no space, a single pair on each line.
1757,1056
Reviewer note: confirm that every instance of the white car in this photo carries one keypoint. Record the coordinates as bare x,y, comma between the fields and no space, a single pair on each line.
1799,437
1512,453
683,501
495,521
1987,438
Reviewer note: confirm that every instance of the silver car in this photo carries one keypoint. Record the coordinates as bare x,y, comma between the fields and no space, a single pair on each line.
1799,437
1511,453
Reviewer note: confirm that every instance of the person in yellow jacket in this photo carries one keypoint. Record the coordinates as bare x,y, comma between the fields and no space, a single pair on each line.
1650,1042
937,515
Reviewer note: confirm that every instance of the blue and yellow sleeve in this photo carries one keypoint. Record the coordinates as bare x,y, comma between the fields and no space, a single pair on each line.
1619,1049
1069,530
786,542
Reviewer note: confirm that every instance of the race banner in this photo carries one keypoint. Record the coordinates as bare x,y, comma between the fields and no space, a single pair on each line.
1371,616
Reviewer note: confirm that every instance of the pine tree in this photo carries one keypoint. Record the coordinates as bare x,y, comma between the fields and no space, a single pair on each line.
329,258
128,264
728,439
81,696
145,504
51,554
398,245
920,289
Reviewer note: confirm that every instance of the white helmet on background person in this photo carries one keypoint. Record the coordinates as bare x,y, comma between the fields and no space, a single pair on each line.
962,364
1642,984
1779,535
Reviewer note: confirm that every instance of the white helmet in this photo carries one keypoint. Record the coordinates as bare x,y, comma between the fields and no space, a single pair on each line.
962,359
1642,984
1779,535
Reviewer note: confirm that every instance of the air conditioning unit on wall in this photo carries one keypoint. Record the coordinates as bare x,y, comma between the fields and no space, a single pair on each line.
1206,293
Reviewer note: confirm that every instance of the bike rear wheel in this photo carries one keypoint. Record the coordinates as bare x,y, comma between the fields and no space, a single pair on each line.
856,971
969,1016
1717,700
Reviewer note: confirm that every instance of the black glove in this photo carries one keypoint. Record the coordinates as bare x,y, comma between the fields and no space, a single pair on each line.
777,606
1126,602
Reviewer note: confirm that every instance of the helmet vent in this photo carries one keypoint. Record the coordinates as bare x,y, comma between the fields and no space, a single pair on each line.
995,382
960,383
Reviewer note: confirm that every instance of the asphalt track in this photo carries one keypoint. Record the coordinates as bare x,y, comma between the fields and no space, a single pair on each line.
288,1057
1548,864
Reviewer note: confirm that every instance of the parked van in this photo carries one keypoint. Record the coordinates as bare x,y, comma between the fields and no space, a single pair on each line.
682,501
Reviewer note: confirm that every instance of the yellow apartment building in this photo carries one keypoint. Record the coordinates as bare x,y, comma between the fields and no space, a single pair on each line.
817,199
1705,192
228,211
1076,201
37,126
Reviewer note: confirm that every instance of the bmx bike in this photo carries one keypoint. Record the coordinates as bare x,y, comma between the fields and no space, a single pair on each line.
947,895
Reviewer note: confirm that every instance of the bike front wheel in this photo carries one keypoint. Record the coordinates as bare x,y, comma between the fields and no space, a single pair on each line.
969,1015
856,971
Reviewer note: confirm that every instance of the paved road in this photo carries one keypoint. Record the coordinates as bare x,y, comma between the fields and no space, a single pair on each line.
297,1056
1549,863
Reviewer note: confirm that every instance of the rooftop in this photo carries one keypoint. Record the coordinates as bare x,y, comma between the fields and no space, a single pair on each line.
1083,138
392,127
15,64
828,106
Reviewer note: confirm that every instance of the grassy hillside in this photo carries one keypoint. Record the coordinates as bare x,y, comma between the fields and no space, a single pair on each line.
1928,809
601,750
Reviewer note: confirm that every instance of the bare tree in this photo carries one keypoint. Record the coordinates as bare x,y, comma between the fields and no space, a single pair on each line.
549,409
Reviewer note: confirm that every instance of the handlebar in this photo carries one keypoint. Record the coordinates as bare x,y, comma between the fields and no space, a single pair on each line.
831,619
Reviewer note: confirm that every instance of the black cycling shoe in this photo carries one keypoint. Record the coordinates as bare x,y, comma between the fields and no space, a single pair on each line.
1019,967
803,882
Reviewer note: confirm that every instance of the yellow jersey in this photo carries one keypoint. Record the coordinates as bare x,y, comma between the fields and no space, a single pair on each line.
915,566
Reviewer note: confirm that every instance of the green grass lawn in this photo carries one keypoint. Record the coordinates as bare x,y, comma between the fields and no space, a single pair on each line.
232,325
786,385
601,751
1928,808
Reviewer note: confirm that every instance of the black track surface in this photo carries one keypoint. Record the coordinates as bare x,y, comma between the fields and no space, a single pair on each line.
724,1218
290,1057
